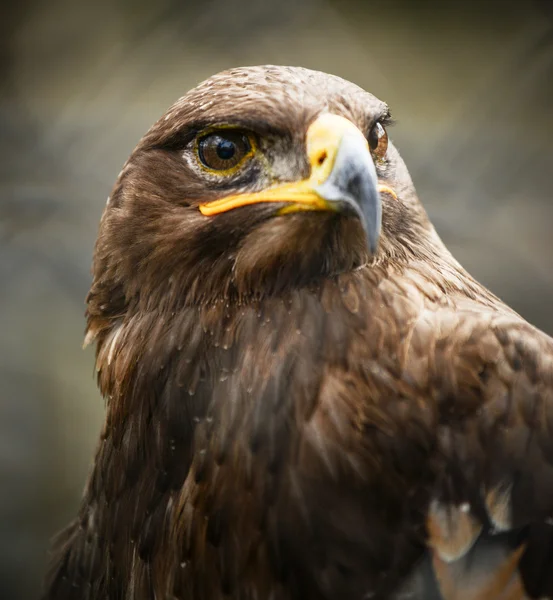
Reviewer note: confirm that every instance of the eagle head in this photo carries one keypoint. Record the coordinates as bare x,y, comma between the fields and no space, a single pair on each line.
258,180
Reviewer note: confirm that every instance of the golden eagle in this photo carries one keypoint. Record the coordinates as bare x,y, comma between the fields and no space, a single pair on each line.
307,396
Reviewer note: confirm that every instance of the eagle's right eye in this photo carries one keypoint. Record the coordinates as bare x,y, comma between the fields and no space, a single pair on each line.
378,141
224,151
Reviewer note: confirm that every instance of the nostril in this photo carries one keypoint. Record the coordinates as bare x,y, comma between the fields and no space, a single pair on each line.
322,158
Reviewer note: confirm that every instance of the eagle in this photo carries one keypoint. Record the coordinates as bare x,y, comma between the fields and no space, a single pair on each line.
307,396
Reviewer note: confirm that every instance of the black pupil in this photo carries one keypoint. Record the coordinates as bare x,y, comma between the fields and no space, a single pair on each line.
226,149
221,151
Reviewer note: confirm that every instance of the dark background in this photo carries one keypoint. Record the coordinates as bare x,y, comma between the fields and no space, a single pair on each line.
471,88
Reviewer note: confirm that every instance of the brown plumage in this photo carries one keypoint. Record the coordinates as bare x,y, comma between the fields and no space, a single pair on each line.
288,415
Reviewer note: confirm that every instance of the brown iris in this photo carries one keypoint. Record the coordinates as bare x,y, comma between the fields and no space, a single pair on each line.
223,150
378,141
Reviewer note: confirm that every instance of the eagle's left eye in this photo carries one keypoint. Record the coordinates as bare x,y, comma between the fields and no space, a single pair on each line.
224,150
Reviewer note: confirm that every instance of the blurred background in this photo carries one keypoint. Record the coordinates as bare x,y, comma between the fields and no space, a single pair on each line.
471,88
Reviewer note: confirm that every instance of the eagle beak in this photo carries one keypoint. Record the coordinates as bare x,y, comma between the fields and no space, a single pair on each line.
343,179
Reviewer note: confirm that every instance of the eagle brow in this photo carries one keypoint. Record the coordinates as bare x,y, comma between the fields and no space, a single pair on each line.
187,133
385,118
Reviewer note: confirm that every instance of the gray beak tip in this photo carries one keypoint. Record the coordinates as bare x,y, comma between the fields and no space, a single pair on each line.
353,184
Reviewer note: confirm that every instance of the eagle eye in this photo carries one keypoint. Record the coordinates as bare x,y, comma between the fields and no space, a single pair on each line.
378,141
224,150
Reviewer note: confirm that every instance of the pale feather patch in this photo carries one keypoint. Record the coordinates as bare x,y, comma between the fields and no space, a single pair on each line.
498,505
89,337
484,575
133,571
452,529
314,437
113,343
